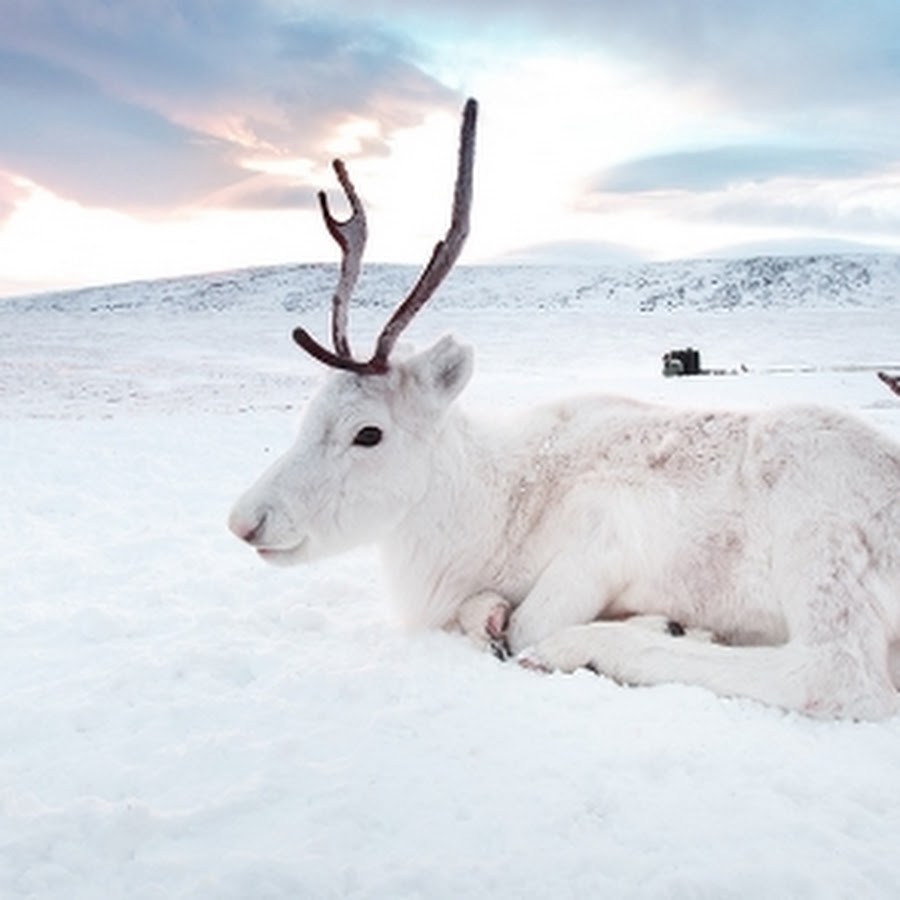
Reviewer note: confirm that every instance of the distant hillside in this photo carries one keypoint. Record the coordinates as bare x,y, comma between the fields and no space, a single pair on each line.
761,282
765,282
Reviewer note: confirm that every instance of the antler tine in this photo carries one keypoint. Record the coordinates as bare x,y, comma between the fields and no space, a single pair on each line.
350,236
445,252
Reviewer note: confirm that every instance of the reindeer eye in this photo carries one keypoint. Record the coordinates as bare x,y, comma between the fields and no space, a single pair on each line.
368,436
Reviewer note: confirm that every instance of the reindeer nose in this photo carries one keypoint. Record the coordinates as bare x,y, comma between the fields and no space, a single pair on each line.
248,530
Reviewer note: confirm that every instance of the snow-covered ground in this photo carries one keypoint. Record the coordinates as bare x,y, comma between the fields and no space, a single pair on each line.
178,720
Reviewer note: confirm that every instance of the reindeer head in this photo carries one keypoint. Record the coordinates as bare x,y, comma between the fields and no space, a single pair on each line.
363,454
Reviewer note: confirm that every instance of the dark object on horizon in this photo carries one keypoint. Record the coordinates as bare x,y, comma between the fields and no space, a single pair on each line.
682,362
892,381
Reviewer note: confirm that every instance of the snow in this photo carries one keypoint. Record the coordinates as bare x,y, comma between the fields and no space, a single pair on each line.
179,720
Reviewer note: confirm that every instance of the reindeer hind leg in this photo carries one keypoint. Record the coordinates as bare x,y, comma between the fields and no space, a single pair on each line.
828,681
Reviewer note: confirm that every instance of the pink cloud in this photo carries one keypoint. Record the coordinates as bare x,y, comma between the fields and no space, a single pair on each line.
13,191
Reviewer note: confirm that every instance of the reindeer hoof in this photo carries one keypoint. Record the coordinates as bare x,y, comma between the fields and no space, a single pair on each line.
499,646
532,662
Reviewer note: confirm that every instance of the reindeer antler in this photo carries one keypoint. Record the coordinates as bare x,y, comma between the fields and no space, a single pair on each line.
351,237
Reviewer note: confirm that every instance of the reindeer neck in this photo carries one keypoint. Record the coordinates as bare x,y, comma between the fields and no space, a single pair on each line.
435,549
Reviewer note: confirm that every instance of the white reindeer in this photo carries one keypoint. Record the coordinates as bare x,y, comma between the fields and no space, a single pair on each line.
583,531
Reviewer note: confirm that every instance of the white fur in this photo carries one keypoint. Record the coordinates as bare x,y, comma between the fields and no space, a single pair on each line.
777,531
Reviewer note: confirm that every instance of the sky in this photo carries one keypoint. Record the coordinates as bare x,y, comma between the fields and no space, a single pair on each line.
147,138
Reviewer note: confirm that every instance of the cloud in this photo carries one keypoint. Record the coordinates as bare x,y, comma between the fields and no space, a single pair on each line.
868,207
61,131
719,167
263,192
12,192
152,105
852,207
769,52
146,106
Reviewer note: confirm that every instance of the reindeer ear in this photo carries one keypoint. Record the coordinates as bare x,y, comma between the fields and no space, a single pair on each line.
443,370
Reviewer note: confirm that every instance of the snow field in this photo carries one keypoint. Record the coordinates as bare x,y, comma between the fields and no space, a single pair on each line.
179,720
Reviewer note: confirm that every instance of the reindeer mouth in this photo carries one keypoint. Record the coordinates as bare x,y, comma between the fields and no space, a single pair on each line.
285,556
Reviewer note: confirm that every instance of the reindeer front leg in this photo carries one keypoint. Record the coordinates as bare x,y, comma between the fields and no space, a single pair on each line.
571,593
568,592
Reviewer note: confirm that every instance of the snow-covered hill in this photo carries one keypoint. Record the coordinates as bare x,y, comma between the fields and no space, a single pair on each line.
177,720
761,282
220,342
